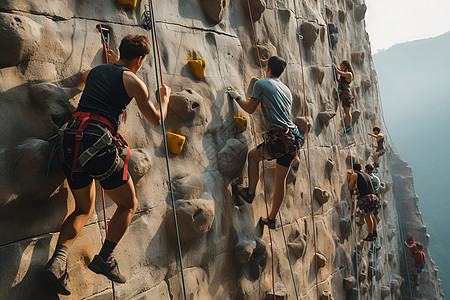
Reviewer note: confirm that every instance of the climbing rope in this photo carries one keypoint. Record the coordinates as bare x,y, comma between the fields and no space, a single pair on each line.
159,83
263,165
308,150
351,156
396,204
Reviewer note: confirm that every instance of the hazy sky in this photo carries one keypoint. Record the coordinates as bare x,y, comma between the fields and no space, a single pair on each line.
390,22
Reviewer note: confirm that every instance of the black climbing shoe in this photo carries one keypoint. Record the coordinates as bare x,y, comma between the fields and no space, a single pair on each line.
370,238
376,165
270,223
107,268
243,193
347,129
55,276
377,248
375,234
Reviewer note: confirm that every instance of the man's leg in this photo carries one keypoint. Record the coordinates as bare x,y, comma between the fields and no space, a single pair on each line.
254,157
369,221
279,189
74,223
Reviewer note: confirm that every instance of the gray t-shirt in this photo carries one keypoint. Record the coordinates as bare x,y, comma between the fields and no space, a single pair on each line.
276,101
376,184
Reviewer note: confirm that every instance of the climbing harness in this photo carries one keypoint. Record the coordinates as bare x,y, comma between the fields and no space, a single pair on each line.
308,151
150,23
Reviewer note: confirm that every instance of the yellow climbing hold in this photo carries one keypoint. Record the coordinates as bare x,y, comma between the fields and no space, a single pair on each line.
197,67
129,2
175,142
241,122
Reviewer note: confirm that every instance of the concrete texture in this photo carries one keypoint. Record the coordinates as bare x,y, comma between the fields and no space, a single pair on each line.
226,253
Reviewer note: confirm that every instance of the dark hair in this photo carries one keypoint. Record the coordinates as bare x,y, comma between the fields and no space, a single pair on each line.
409,239
349,67
133,46
419,246
369,167
377,129
276,65
357,167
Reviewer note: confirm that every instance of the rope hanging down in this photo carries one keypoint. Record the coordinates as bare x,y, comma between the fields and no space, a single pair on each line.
308,150
263,166
159,82
351,158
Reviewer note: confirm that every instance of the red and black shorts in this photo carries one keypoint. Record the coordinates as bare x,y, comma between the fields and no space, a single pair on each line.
369,203
282,145
107,161
347,98
419,267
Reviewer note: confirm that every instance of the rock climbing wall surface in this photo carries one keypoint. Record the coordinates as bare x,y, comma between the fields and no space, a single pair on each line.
205,47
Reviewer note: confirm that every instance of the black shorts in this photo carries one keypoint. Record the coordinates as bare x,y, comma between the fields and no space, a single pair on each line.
97,165
283,152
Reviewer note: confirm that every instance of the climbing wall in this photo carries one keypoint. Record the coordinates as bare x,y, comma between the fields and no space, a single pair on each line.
226,254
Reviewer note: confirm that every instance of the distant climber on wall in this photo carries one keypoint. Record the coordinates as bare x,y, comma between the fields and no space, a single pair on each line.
380,150
376,188
109,89
347,75
367,200
419,260
281,140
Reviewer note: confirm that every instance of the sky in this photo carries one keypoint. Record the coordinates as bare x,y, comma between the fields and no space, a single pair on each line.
390,22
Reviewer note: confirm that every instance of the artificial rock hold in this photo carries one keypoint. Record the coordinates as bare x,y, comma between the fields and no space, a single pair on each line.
326,116
355,115
280,292
244,250
349,282
322,195
215,10
131,3
232,157
257,8
309,31
325,295
264,52
301,123
140,163
195,218
345,226
21,36
385,291
318,74
241,122
341,16
197,67
175,142
360,12
394,285
321,260
329,166
297,248
187,106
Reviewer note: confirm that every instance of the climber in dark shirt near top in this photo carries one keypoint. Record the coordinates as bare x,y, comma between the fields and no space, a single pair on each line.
380,150
367,200
347,75
109,89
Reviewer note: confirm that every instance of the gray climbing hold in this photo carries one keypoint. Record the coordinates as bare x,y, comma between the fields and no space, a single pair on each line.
362,275
349,282
325,116
215,10
366,83
244,250
309,31
329,166
341,16
280,292
297,248
317,74
344,224
360,12
187,105
232,157
385,291
321,260
321,195
301,124
195,218
325,295
257,8
140,163
355,115
394,285
265,52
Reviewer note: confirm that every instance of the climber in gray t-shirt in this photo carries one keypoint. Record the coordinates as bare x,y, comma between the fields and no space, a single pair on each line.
281,140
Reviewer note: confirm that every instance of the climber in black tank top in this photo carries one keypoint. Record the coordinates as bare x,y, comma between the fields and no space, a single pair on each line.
379,148
347,75
109,89
367,200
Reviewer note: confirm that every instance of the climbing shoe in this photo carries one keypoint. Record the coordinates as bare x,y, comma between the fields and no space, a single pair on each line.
370,238
268,222
55,276
243,193
347,129
108,268
375,165
375,234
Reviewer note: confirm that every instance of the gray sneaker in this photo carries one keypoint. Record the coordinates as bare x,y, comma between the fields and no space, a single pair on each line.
56,276
107,268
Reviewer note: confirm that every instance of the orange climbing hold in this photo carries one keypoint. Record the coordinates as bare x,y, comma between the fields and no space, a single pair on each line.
129,2
175,142
241,122
197,67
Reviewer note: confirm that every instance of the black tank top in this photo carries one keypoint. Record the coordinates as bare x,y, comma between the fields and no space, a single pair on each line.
381,144
104,93
364,183
343,84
